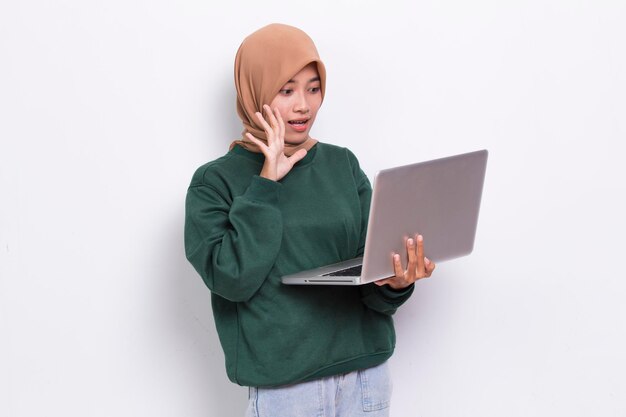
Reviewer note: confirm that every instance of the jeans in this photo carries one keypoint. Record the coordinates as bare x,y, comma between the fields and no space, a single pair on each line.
363,393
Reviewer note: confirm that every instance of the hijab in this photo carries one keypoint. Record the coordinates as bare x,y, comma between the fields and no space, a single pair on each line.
265,61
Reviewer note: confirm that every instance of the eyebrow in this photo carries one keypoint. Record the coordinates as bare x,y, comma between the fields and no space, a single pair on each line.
311,80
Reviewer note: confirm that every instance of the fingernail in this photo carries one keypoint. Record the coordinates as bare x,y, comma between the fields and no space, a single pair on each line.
426,260
410,241
420,237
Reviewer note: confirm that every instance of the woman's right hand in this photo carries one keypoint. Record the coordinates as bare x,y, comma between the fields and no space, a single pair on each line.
277,164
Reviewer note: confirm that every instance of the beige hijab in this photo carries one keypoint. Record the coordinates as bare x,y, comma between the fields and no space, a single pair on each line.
265,61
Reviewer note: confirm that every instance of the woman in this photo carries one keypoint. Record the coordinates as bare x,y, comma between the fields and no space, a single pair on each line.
279,202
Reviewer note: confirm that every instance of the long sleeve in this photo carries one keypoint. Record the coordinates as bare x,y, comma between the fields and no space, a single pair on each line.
233,244
243,232
385,299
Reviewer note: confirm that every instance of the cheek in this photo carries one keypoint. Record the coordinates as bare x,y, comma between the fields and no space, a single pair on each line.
280,103
315,105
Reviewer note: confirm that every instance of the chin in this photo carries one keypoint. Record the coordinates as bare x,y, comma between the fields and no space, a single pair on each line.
300,139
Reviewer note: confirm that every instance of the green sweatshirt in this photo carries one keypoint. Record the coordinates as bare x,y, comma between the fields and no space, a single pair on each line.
243,232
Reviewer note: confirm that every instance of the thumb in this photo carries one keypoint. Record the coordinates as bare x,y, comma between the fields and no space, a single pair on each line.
297,156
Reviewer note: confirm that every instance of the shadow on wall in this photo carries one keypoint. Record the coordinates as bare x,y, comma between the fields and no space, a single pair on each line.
189,319
191,324
223,126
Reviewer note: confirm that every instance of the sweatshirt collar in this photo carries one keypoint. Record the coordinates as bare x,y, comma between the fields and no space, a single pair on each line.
259,157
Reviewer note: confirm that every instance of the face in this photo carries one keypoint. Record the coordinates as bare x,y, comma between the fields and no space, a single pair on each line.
298,102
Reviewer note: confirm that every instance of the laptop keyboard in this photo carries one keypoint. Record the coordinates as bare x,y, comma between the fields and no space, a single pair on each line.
354,271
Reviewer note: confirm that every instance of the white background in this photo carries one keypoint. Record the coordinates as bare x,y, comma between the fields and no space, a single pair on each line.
107,108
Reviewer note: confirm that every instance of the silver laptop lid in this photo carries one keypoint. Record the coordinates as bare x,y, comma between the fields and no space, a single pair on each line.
442,204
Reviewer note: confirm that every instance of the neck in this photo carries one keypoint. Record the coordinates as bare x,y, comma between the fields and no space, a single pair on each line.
289,149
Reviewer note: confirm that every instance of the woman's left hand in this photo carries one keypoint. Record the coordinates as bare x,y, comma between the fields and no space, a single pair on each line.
419,266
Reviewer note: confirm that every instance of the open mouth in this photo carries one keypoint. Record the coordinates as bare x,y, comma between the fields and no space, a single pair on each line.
299,125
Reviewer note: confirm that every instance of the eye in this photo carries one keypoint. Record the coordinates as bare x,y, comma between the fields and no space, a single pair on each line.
314,89
286,91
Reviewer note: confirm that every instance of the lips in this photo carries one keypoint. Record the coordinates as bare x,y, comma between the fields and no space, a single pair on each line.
299,125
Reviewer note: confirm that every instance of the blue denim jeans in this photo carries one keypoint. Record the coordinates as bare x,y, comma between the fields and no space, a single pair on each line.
363,393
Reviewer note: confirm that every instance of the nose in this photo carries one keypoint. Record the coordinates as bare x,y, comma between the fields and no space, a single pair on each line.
301,104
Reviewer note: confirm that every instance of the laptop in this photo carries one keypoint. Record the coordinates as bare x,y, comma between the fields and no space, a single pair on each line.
439,199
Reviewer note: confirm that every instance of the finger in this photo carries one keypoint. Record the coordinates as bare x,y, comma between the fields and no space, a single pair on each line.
281,123
257,142
397,266
293,159
272,119
413,260
382,282
266,126
430,266
421,270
